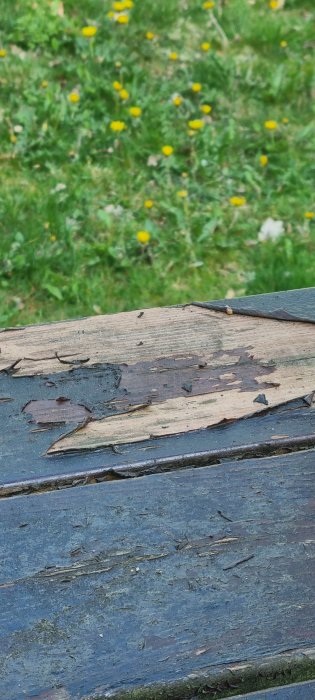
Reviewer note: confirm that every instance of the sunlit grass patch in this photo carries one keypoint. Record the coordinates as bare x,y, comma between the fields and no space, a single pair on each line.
186,124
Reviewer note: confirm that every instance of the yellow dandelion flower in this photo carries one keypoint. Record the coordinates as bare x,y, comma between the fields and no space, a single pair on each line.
263,161
119,6
74,97
238,201
117,125
177,100
167,150
3,53
88,31
208,5
196,87
275,4
283,44
206,109
124,94
309,215
13,138
182,194
150,36
135,111
143,237
148,203
53,238
196,124
122,19
117,85
285,120
128,4
111,14
44,84
270,124
205,46
173,56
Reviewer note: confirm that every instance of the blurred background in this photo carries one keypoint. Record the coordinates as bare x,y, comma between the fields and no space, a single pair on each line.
153,153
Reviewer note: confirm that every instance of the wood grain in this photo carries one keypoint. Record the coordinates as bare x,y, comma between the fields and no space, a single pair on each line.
114,338
25,465
194,577
183,414
166,332
180,369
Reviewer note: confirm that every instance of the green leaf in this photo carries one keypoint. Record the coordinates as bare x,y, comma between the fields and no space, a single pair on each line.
53,291
208,229
103,217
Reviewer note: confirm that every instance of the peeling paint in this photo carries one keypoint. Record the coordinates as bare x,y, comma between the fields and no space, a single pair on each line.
170,377
105,390
60,410
196,369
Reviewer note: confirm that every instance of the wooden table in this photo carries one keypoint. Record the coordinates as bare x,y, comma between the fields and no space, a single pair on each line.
157,514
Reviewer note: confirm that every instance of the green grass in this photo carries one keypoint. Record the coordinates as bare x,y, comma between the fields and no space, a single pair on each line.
72,191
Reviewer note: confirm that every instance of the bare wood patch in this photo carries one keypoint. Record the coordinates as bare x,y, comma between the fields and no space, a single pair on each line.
182,414
166,332
183,368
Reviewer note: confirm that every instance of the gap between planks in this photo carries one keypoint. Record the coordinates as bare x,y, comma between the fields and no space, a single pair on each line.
44,484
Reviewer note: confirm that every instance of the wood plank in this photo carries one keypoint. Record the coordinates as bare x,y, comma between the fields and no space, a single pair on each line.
175,416
167,372
184,332
296,691
24,464
177,580
129,337
297,304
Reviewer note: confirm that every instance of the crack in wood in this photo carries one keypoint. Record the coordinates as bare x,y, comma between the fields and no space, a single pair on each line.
238,563
99,564
102,563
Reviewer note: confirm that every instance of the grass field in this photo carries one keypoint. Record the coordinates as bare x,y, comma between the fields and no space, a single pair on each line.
96,214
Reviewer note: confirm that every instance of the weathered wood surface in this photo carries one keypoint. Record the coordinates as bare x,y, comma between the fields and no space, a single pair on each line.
24,464
165,583
186,577
298,305
159,378
297,691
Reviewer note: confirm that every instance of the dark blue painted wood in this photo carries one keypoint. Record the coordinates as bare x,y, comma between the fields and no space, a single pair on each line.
297,691
25,466
159,579
152,582
295,305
